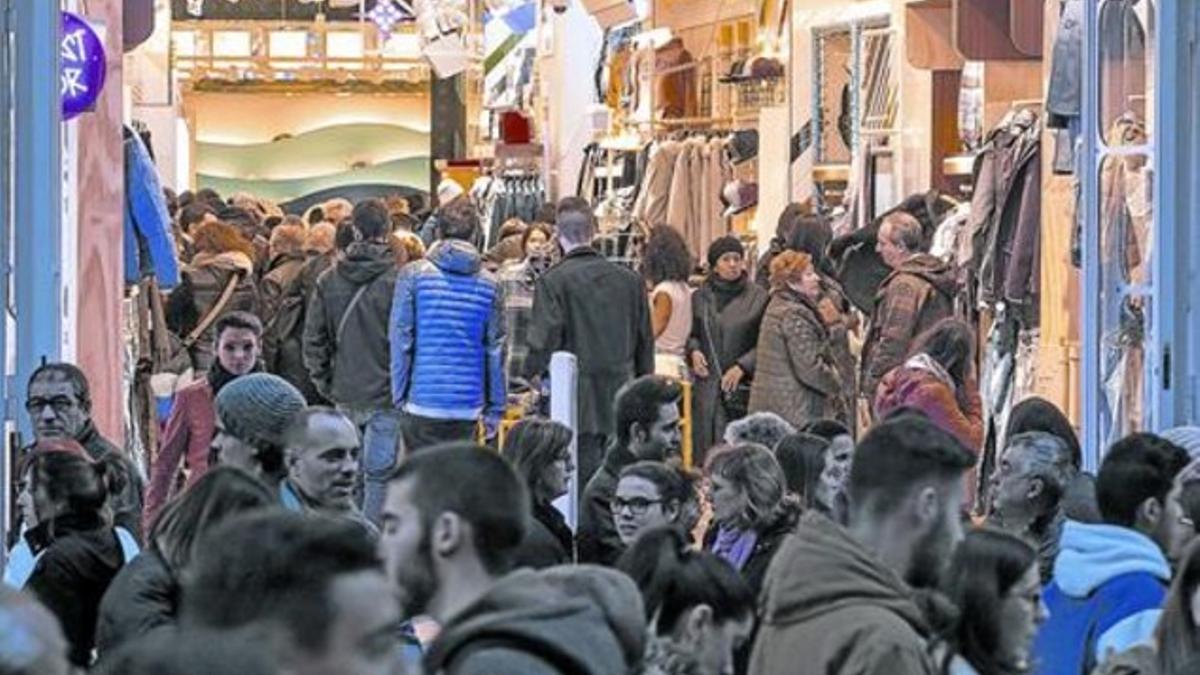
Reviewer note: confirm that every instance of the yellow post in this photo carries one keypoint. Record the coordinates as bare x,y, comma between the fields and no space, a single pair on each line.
686,423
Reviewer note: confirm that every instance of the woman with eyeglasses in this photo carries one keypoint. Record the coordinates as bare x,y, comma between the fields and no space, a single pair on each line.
653,494
540,450
994,582
698,610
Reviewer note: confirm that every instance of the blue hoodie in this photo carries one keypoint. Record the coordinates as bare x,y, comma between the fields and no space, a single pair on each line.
1106,596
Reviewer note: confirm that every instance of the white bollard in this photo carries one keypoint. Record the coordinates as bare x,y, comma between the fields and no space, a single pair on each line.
564,408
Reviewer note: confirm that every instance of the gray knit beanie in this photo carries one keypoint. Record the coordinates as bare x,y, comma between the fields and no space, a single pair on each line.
258,407
1187,438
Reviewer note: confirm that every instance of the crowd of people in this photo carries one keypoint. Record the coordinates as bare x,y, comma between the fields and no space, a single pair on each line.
361,478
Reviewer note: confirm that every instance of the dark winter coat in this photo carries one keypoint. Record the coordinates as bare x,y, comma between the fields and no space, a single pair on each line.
599,311
733,331
447,337
201,286
355,369
142,598
283,340
597,536
830,606
911,300
282,272
81,557
549,540
796,377
570,620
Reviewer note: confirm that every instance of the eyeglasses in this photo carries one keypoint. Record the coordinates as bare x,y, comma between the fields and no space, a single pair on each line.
60,404
1187,522
636,505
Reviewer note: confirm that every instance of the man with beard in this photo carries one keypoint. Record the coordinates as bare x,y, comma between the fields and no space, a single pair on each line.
191,426
59,403
321,453
308,589
448,549
1110,579
1027,491
843,599
647,412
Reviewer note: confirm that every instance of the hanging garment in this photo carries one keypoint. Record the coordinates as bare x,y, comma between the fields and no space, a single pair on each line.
149,246
675,93
655,196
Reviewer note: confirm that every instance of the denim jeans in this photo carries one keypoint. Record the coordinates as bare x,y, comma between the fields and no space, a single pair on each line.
380,431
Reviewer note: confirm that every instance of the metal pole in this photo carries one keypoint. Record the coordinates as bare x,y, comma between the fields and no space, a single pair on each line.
1088,166
1170,162
564,408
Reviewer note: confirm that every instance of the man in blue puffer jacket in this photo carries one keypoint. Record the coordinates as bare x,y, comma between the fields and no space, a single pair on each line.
447,338
1110,579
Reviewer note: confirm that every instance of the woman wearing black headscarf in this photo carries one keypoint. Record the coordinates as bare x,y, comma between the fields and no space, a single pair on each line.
726,313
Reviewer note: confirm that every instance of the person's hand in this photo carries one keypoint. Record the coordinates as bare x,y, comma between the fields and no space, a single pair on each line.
731,380
829,312
699,363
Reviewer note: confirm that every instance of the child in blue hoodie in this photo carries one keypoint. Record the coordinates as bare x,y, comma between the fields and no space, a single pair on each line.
1110,579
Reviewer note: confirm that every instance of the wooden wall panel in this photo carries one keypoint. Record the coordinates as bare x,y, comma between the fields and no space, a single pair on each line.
981,30
100,274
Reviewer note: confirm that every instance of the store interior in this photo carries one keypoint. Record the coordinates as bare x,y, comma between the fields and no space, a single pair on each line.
714,116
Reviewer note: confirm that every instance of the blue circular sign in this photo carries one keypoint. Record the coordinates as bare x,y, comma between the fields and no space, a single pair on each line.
82,68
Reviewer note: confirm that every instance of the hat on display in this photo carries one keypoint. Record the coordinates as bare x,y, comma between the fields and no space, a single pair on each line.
723,245
258,407
449,190
756,68
739,196
742,146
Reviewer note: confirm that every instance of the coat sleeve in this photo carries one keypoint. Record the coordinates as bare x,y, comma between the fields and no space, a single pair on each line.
199,439
643,355
148,207
696,340
318,344
749,360
176,437
497,377
180,309
894,318
804,348
53,584
402,335
547,326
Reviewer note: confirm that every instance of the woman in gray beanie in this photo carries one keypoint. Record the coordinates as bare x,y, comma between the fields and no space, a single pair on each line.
253,412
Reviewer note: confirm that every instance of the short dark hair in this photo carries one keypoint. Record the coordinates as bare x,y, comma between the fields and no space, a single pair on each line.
238,319
666,256
458,220
1038,414
547,214
907,229
276,567
575,220
371,219
315,215
68,372
897,455
826,428
951,343
1138,467
533,444
210,196
802,458
675,484
194,213
639,401
986,567
674,578
496,505
344,235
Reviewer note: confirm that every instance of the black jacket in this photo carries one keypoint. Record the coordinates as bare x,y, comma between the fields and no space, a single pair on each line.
356,371
548,542
81,557
597,538
733,332
143,597
126,504
598,311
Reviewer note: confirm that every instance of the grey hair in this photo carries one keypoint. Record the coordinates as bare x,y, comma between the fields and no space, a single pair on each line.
1048,457
907,231
764,428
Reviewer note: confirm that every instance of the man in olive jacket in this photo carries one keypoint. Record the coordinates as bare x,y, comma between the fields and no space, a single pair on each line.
841,599
598,311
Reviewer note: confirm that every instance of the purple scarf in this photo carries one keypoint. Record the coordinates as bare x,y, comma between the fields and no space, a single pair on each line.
735,546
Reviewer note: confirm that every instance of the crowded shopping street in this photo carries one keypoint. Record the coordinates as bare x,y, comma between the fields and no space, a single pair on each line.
600,337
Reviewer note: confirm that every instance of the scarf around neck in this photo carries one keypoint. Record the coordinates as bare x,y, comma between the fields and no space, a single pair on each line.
735,546
726,291
218,377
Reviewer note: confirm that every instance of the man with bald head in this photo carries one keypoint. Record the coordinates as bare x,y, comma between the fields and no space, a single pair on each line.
322,452
917,294
598,311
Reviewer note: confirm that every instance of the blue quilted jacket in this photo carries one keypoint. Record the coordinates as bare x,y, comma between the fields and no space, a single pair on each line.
447,337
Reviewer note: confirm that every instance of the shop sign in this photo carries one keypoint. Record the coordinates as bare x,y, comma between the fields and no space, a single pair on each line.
82,68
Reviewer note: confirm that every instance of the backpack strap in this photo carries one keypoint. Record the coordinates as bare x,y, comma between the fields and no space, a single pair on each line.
349,308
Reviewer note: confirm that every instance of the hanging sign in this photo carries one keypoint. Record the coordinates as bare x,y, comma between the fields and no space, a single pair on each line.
82,68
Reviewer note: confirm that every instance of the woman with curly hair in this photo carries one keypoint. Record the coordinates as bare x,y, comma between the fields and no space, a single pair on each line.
666,264
223,257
